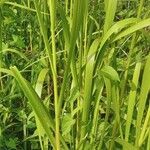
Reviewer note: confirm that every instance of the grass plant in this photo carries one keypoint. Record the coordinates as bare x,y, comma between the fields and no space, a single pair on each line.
74,74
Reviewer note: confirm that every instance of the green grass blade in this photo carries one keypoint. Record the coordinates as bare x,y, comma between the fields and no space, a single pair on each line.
140,25
100,87
145,129
111,6
38,89
1,57
3,70
22,7
125,144
108,86
113,30
22,55
43,31
88,86
145,87
76,23
131,100
65,26
110,73
52,10
148,142
116,28
40,81
37,105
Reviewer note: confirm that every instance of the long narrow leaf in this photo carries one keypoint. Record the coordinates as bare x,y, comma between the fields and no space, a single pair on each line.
111,7
145,87
131,101
36,103
140,25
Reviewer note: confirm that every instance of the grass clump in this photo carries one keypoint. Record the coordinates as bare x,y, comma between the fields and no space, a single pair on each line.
74,74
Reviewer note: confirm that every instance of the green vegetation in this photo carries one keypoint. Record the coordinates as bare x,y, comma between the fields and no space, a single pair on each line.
75,74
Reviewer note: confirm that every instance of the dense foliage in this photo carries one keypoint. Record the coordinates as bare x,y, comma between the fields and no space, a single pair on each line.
74,74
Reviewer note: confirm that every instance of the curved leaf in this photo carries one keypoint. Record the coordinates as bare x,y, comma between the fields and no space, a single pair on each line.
140,25
110,73
17,52
36,103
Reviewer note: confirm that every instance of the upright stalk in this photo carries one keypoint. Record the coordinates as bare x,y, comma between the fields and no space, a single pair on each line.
52,59
52,9
75,28
1,61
